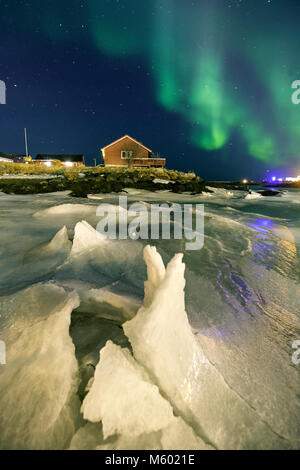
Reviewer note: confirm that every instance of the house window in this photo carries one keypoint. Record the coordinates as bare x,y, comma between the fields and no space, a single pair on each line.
125,154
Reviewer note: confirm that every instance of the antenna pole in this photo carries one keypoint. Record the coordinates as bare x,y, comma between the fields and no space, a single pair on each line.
26,145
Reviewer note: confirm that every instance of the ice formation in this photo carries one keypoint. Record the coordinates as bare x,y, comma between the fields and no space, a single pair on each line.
51,253
232,385
103,302
60,241
168,359
38,404
253,195
167,395
85,238
221,192
130,406
163,342
115,265
81,210
176,436
123,398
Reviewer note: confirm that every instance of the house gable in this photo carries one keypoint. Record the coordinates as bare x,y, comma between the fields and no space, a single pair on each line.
127,151
126,137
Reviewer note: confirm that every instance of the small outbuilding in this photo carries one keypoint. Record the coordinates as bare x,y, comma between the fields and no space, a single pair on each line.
15,158
66,160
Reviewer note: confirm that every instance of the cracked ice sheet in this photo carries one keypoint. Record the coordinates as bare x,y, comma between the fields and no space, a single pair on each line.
143,419
39,408
113,264
38,263
232,338
250,344
163,342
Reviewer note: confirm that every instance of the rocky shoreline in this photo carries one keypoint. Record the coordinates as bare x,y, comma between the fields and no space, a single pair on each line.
84,181
88,182
81,181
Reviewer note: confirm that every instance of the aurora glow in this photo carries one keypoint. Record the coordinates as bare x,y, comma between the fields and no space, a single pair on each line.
196,76
222,68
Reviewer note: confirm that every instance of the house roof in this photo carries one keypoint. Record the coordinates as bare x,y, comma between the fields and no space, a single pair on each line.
62,158
124,137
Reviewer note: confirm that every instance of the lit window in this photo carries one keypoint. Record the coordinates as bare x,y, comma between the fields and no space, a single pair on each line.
126,154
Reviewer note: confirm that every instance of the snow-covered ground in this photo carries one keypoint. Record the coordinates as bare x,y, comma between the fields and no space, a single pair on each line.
196,357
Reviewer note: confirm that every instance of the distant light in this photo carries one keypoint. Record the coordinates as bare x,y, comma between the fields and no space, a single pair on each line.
274,178
280,179
68,163
48,163
292,180
245,181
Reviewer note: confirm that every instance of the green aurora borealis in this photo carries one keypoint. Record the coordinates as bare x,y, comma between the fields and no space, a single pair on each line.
224,67
220,68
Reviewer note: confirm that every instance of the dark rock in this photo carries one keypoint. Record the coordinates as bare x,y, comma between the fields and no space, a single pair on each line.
269,192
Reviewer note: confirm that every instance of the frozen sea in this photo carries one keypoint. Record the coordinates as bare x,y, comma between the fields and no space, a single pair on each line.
198,357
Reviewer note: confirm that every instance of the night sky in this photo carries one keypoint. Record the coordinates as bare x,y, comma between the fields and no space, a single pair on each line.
205,83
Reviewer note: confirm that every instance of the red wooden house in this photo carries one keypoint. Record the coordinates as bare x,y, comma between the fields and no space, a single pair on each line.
127,151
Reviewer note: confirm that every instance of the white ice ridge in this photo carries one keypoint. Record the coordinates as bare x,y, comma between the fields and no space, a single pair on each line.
60,240
130,406
83,210
253,195
39,408
85,238
59,247
118,374
155,272
163,342
221,192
